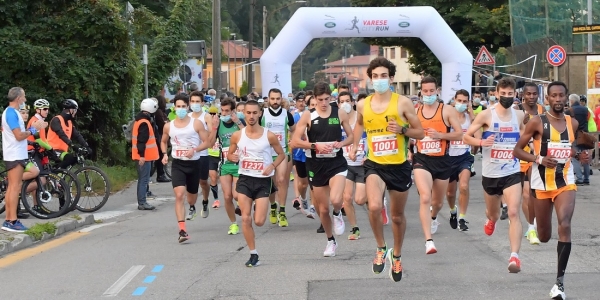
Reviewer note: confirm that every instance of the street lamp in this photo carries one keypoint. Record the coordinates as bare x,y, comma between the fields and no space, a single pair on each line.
301,72
345,46
266,17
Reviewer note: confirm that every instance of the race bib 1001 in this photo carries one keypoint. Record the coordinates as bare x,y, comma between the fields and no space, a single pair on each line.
384,145
502,153
559,151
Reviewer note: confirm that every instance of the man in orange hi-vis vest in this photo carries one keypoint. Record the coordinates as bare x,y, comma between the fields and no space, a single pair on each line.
144,149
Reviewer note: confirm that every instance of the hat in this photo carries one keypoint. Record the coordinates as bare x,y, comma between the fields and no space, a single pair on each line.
213,110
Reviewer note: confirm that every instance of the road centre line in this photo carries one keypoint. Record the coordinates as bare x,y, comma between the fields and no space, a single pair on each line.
114,289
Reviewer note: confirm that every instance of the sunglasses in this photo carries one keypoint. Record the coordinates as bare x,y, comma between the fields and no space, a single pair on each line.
212,114
44,108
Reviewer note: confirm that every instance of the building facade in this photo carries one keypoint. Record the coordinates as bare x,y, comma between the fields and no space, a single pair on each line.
405,82
235,66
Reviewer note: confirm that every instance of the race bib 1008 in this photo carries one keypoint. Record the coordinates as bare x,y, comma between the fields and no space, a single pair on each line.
384,145
559,151
430,146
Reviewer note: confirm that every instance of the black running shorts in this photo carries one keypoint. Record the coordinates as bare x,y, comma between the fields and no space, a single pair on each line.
496,186
300,168
321,170
204,164
397,177
186,173
461,163
356,174
213,163
440,167
255,187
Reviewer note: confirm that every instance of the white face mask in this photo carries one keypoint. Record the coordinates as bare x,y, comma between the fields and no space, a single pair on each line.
346,107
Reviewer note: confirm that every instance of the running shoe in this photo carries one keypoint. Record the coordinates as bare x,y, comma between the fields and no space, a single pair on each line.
273,216
238,211
489,227
514,265
183,236
330,249
191,214
395,267
16,227
558,292
379,260
504,214
296,203
384,214
282,219
430,247
204,212
321,229
216,204
453,220
434,226
312,212
532,237
462,225
354,235
233,229
339,227
253,261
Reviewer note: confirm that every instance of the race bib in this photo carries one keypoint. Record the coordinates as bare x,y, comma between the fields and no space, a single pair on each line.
560,151
224,153
430,146
279,136
216,146
320,154
458,145
179,152
384,145
502,153
359,152
251,166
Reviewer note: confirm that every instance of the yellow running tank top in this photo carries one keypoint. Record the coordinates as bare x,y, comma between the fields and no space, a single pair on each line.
384,147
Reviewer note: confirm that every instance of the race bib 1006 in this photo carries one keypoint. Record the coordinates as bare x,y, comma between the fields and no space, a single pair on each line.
502,153
384,145
559,151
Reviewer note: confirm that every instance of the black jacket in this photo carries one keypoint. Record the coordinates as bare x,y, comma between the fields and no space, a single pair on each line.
56,127
581,114
144,132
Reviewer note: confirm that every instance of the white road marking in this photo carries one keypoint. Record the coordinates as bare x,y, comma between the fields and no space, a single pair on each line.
110,214
122,282
90,228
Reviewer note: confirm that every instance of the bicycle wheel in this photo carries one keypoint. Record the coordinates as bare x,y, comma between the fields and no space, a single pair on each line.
52,197
72,183
94,184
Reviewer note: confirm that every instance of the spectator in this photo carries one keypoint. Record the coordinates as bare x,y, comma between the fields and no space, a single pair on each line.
144,149
581,114
160,118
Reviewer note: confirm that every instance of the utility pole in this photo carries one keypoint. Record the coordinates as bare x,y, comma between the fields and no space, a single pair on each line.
250,45
264,28
590,20
216,47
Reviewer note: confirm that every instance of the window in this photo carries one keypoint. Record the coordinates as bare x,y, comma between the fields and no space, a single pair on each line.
385,52
392,53
403,53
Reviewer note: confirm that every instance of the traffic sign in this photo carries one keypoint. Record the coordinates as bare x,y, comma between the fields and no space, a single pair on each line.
556,55
484,57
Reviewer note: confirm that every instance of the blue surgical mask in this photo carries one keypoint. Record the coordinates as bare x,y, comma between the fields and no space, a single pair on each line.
196,107
181,112
429,99
461,107
547,107
226,118
240,115
477,101
492,98
381,85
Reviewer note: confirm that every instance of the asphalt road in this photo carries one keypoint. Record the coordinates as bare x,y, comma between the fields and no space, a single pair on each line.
135,254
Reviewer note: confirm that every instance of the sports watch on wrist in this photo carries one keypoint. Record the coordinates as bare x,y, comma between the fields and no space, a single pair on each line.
313,146
403,130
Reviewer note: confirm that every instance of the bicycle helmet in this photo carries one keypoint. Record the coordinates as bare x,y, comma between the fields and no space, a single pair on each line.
148,105
70,104
41,103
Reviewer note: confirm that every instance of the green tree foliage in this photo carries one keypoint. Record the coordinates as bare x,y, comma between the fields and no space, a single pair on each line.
244,88
476,23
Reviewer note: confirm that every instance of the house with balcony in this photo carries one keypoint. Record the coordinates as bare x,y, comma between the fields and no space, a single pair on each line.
235,66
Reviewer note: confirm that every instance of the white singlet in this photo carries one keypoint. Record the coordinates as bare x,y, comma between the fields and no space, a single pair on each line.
278,126
360,153
458,148
255,155
498,160
202,119
184,139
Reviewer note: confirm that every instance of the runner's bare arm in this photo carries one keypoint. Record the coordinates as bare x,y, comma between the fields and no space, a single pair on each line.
165,138
522,121
407,110
300,127
531,131
277,147
359,127
347,128
451,114
204,136
479,122
233,147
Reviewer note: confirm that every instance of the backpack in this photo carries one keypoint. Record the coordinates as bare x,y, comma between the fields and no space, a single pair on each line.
128,129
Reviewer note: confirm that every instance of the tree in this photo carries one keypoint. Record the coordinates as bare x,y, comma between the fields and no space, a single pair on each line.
481,23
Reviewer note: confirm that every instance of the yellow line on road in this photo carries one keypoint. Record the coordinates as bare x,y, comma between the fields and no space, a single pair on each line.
31,252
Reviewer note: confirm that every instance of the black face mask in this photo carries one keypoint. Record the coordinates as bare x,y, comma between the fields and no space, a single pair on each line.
506,102
354,106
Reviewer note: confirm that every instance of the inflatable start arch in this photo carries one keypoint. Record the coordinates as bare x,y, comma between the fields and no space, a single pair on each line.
323,22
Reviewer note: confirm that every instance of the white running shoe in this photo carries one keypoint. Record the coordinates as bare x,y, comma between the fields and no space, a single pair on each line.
311,212
330,249
434,226
339,226
430,247
558,292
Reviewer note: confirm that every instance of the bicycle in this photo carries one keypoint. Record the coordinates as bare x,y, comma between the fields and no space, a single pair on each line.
166,167
88,184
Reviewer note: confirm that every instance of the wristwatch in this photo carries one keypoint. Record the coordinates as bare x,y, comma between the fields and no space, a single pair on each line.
313,146
403,130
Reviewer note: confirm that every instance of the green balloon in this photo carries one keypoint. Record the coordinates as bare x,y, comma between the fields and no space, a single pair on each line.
331,86
302,84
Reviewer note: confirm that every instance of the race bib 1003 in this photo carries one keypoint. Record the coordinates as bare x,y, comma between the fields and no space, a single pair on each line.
384,145
559,151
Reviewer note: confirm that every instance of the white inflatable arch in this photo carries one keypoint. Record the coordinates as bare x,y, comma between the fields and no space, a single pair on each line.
323,22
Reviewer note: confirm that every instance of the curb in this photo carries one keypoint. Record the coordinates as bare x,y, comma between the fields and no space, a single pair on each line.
22,241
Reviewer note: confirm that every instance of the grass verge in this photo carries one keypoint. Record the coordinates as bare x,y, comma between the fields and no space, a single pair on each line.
37,231
119,176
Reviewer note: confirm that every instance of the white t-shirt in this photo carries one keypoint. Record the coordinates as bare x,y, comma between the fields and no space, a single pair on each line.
12,149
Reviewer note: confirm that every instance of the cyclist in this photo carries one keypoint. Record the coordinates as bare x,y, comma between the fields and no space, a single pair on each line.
62,132
41,107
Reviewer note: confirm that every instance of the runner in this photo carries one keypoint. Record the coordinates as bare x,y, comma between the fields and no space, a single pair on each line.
356,172
229,124
279,121
299,161
214,160
552,177
196,103
431,163
462,165
188,140
388,116
325,163
256,167
500,170
531,109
